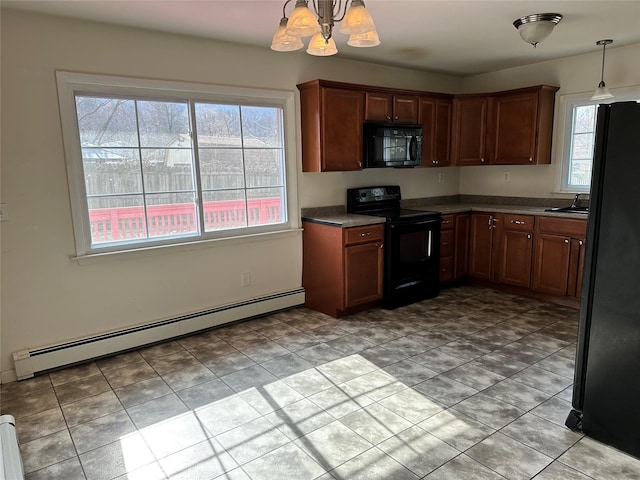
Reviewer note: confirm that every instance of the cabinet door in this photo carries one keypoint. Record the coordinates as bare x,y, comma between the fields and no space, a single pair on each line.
342,117
379,107
481,245
469,130
461,254
551,264
363,273
405,108
435,117
514,120
515,258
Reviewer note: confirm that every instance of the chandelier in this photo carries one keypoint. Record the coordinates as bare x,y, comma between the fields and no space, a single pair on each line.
356,22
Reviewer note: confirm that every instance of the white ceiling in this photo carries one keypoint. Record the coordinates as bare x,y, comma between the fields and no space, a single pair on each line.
459,37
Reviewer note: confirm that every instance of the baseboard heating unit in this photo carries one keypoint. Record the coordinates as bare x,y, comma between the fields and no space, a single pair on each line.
10,460
39,360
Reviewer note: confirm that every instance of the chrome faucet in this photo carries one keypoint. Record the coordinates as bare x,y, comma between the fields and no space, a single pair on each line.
575,201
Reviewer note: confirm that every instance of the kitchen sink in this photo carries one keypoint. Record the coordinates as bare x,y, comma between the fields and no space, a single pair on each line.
569,209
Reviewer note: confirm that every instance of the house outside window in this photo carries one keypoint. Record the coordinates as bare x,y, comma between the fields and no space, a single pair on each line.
156,163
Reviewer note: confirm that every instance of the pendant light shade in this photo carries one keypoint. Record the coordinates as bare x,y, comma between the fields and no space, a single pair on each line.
302,23
320,47
367,39
602,92
357,19
535,28
285,43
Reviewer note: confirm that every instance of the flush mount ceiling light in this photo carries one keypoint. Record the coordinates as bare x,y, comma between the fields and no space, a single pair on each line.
535,28
356,22
602,92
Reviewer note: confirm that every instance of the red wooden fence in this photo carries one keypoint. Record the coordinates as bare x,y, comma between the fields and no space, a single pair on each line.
113,224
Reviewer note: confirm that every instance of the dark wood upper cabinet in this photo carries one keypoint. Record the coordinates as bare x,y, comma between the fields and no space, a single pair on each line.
434,114
470,130
388,107
520,126
332,118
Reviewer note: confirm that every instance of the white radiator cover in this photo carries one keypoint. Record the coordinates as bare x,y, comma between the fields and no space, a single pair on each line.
29,362
10,460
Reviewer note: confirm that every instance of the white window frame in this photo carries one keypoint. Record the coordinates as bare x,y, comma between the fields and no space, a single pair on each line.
70,83
567,103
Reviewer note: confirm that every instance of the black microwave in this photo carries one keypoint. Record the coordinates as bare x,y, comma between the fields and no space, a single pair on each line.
392,145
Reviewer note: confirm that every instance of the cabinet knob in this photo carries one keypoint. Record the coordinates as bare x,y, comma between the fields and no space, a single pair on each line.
381,245
531,159
365,234
482,160
580,242
360,164
388,117
396,117
566,241
529,235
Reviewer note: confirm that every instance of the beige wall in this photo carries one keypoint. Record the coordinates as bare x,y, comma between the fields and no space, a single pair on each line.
46,297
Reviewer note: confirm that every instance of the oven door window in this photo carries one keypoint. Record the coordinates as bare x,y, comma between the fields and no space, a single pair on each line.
413,248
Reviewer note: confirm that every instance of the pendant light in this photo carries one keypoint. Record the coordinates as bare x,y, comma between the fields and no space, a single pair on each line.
602,92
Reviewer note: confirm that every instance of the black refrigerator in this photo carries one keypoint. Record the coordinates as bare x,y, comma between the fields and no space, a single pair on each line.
606,390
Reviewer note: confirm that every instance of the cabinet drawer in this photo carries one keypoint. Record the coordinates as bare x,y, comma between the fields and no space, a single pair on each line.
365,234
562,226
518,222
446,243
448,222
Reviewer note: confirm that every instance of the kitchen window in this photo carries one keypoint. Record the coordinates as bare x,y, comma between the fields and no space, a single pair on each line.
580,116
158,163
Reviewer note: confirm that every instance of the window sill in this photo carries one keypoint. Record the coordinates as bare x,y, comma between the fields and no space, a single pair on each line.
96,258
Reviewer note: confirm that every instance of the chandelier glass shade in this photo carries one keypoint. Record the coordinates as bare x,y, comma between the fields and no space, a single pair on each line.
318,24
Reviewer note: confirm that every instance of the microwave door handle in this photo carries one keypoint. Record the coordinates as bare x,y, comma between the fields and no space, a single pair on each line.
413,148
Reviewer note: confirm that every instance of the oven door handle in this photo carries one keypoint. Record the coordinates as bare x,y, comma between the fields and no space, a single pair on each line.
416,224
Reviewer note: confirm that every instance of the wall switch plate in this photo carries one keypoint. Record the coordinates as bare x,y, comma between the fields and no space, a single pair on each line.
440,177
4,212
245,279
507,176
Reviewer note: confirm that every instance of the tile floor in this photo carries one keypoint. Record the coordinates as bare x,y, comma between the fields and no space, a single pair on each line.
474,384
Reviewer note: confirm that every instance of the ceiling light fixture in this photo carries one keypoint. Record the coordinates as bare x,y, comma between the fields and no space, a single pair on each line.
356,22
602,92
535,28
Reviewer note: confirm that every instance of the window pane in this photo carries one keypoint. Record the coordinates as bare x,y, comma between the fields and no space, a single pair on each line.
264,168
111,170
171,214
582,146
221,168
167,170
218,125
585,117
116,219
224,210
265,206
261,127
163,124
106,122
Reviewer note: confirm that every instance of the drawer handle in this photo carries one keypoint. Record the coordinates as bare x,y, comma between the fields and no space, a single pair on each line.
365,234
446,221
445,243
518,222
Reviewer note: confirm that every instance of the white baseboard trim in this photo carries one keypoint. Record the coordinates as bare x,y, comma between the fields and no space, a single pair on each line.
29,362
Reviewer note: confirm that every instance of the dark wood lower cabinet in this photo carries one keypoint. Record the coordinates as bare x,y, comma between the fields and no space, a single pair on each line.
515,258
461,241
481,246
551,260
342,268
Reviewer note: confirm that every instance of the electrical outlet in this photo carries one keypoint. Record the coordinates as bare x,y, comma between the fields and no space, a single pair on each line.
507,176
4,212
245,279
440,177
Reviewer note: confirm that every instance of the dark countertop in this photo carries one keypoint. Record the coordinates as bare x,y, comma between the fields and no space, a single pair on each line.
345,220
